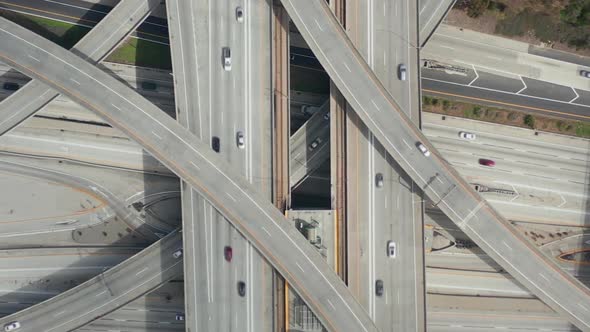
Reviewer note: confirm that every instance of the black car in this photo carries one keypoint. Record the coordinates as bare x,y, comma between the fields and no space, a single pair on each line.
11,86
241,288
215,144
379,287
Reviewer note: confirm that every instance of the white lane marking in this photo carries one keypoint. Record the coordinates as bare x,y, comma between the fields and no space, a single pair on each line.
230,196
330,303
266,231
141,271
408,145
476,76
577,96
523,85
99,294
506,92
197,167
375,104
493,57
543,276
345,65
447,47
73,80
318,24
59,313
115,106
299,266
158,136
507,245
32,57
583,307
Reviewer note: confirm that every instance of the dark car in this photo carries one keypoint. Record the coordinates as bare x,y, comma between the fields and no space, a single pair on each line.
487,162
11,86
585,73
228,253
241,288
215,144
379,287
179,316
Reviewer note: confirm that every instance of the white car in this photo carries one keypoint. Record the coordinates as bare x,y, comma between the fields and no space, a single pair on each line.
401,72
11,326
315,144
466,135
226,58
379,180
423,149
239,14
177,253
240,140
391,252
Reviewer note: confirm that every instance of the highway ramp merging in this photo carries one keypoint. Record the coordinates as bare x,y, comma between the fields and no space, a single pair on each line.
443,185
193,161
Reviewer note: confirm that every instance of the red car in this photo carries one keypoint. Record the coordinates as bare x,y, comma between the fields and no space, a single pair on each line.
487,162
228,253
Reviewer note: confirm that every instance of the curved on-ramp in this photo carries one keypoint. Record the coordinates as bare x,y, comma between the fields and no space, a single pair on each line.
443,185
197,164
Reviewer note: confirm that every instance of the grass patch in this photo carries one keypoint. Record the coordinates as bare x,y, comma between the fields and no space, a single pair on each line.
133,51
506,117
65,35
139,52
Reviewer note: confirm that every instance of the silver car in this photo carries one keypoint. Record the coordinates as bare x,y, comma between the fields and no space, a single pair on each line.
240,140
226,58
11,326
239,14
391,252
401,72
466,135
177,253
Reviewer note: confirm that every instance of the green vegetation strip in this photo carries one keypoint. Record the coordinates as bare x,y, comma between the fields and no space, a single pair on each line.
133,51
506,117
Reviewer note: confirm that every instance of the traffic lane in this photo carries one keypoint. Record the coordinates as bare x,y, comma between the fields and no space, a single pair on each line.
542,89
497,82
153,29
108,291
524,140
440,182
505,100
324,292
94,46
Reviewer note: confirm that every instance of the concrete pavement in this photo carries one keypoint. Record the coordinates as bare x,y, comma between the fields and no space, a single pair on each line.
254,216
431,13
440,182
105,292
93,47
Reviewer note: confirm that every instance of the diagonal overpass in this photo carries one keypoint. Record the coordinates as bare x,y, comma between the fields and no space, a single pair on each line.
192,160
95,46
443,185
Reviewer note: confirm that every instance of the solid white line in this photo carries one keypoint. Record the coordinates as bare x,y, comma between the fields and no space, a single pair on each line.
141,271
577,96
476,76
583,307
543,276
524,85
506,245
32,57
115,106
59,313
299,266
73,80
99,294
408,145
447,47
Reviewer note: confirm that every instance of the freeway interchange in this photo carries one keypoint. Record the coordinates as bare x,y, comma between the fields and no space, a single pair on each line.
227,185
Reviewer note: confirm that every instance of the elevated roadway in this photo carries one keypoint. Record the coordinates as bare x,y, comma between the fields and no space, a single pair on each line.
442,184
105,292
93,47
431,13
252,214
212,102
